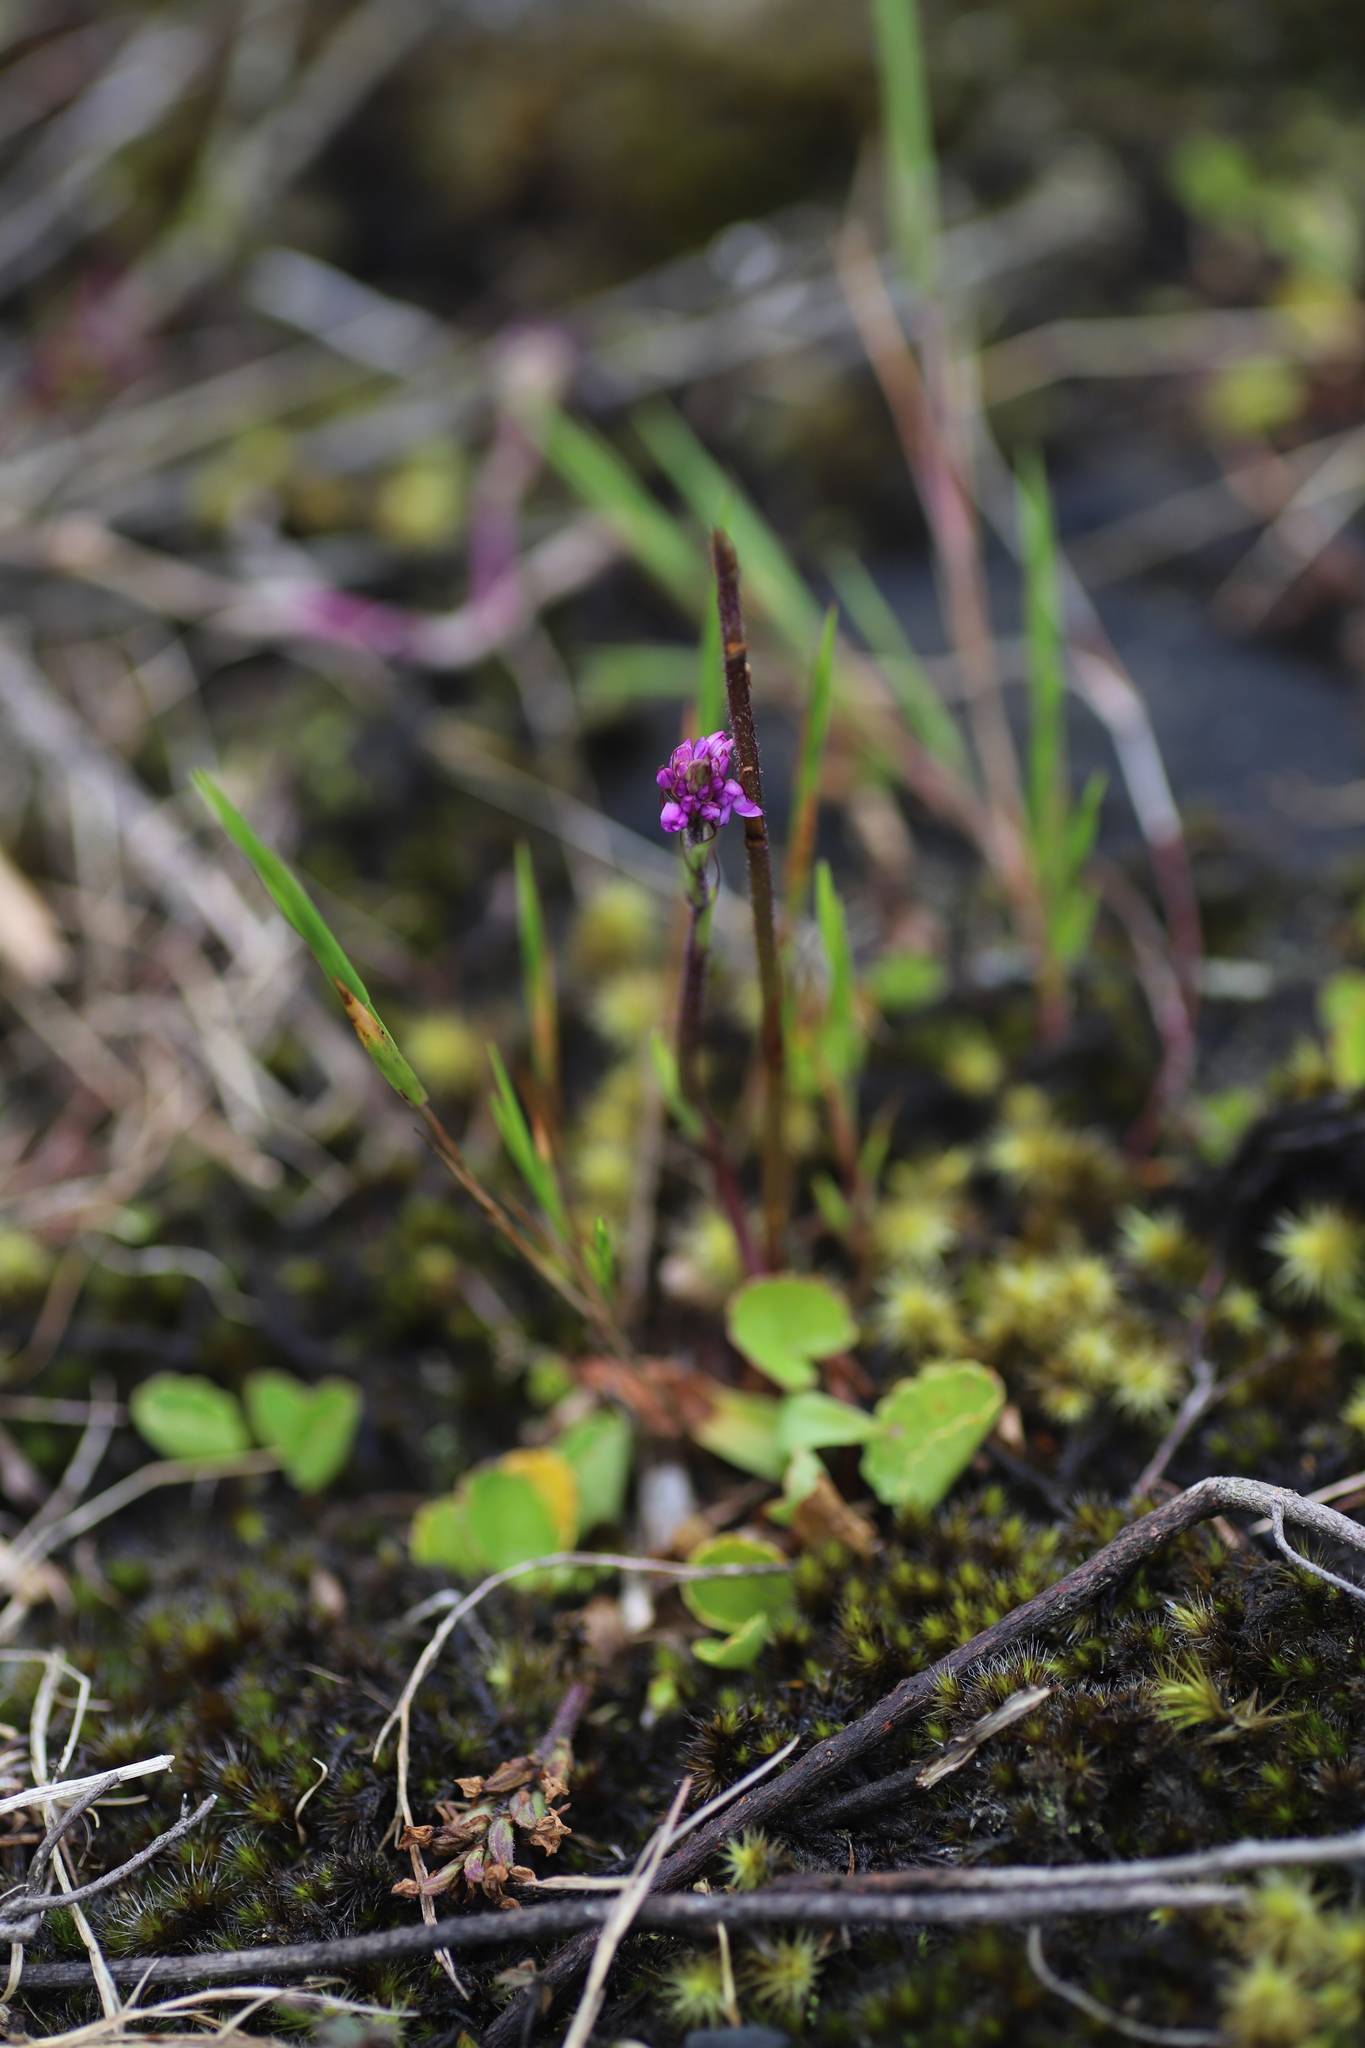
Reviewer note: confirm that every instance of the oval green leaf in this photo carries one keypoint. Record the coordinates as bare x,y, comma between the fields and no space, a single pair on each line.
729,1603
440,1535
928,1428
509,1518
742,1429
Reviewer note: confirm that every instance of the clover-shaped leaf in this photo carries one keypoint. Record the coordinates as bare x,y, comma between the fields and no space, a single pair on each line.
927,1429
728,1603
311,1427
784,1322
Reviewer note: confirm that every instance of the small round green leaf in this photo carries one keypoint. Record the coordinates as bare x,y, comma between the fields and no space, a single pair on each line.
738,1651
729,1603
785,1321
928,1429
182,1415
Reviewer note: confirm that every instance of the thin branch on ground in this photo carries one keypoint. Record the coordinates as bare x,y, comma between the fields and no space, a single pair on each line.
20,1915
1056,1604
685,1913
1104,2015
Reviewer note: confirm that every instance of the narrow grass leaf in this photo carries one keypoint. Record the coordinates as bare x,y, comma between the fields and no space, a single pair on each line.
810,761
515,1133
907,137
710,674
297,906
840,1038
600,1256
606,483
1047,757
714,499
923,710
666,1068
538,979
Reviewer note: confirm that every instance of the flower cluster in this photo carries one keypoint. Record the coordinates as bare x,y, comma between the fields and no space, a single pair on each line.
700,793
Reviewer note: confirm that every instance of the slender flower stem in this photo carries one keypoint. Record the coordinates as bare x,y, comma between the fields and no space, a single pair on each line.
761,895
701,896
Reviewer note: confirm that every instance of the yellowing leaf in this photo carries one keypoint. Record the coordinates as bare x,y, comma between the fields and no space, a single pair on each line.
553,1479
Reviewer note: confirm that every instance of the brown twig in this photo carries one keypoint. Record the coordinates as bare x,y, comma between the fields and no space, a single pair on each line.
19,1915
759,857
1080,1588
687,1913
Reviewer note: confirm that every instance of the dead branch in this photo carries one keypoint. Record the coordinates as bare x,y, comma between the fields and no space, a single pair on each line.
1057,1603
687,1913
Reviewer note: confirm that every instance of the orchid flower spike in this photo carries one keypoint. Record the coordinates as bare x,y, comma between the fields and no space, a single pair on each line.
699,792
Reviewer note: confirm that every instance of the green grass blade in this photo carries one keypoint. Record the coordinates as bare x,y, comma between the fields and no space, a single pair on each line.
714,499
600,1257
1047,753
810,760
840,1038
924,711
711,708
591,467
515,1133
613,679
907,138
670,1086
298,907
538,978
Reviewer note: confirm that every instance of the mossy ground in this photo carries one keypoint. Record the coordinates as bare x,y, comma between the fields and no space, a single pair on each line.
257,1634
1218,1694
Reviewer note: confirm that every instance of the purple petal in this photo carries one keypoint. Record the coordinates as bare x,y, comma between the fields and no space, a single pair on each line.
664,778
745,809
672,817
